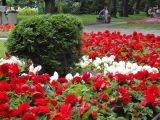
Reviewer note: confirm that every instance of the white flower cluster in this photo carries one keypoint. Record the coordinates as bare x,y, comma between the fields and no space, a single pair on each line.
69,76
108,65
12,60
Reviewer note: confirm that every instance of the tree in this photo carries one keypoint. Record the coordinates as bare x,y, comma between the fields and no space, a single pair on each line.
49,6
3,2
113,8
137,8
124,8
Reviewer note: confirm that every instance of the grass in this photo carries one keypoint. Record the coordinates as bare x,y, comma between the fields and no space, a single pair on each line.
2,48
88,19
142,15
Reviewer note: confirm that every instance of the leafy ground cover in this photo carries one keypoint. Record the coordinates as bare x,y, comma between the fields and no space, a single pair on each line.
2,48
120,80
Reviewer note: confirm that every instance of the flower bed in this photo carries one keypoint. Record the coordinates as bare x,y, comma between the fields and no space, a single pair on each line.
4,28
120,81
148,21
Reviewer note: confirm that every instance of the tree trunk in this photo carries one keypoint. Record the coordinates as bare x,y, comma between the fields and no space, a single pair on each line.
3,2
113,8
137,6
49,6
124,8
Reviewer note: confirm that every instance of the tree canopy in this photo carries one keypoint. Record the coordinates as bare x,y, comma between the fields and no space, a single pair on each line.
123,7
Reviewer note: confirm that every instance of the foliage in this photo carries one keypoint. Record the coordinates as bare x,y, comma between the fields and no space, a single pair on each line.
121,80
21,18
52,41
2,48
27,11
21,3
68,7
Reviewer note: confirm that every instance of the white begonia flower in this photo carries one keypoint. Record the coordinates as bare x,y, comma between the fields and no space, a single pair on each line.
120,70
31,68
105,59
129,65
1,60
54,77
115,64
77,75
117,67
146,67
69,76
35,69
85,61
85,57
154,70
12,60
111,69
112,57
105,65
98,68
84,64
121,64
17,61
105,72
97,62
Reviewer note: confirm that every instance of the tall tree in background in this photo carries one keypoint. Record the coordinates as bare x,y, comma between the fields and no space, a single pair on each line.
137,8
3,2
124,8
113,8
100,4
49,6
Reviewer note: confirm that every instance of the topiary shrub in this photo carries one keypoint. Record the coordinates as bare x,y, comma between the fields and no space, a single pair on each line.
28,11
51,41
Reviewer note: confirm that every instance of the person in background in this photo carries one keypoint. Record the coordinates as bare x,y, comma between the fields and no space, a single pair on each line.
158,12
104,14
151,12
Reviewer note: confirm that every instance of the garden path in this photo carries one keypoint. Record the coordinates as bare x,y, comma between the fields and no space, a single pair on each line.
103,27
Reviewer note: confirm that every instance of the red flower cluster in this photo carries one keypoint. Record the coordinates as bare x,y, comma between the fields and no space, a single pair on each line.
138,48
4,28
31,96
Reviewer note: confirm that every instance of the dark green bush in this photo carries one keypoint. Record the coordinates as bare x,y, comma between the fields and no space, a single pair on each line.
22,17
51,41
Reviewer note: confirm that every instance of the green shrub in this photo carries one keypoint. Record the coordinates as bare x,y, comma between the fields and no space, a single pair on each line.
28,11
51,41
21,18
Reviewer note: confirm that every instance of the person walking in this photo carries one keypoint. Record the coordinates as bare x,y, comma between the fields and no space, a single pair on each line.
158,12
104,14
151,12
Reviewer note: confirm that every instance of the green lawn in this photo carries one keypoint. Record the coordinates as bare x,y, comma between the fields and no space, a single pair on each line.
142,15
88,19
2,48
91,19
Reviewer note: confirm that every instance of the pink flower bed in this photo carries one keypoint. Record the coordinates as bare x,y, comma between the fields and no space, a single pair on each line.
148,20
